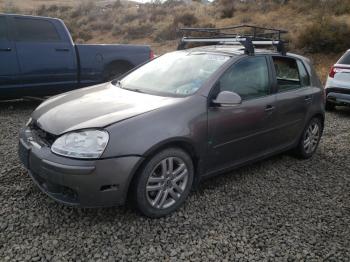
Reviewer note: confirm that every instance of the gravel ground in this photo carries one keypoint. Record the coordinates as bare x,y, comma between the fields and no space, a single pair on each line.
280,209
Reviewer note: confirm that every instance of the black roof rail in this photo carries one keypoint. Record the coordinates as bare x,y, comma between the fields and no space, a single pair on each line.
251,37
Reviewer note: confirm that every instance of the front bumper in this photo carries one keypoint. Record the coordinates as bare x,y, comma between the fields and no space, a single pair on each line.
338,96
84,183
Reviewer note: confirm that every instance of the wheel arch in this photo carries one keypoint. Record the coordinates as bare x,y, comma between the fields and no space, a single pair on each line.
319,116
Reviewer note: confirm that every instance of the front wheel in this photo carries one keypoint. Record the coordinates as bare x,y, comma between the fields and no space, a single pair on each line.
310,139
164,183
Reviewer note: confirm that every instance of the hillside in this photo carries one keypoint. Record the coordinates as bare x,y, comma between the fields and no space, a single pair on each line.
315,27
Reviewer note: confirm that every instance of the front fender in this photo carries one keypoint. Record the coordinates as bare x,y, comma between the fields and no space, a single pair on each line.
184,121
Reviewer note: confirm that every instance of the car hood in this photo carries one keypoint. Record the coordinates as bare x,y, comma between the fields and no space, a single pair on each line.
94,107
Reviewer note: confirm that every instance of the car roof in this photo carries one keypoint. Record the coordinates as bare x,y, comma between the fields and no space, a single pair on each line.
238,50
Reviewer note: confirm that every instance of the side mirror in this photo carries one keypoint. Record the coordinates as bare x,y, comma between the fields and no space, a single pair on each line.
227,98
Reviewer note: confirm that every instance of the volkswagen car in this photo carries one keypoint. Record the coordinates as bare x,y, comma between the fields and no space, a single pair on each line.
153,134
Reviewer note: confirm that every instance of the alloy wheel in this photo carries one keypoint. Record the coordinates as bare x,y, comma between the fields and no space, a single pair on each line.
312,137
167,182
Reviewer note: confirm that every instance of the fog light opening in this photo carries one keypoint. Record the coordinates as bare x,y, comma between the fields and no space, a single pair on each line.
109,187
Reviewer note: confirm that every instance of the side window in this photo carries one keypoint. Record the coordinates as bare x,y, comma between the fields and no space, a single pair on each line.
248,78
287,73
304,76
35,30
3,29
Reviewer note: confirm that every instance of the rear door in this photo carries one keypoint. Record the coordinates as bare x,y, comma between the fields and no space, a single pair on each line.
46,58
8,60
293,99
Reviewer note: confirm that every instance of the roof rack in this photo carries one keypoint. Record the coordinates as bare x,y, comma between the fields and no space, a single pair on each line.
251,37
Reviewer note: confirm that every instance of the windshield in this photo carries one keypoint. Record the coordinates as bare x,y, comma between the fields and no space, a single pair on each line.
177,73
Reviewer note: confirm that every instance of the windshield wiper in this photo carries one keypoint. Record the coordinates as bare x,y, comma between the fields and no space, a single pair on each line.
131,89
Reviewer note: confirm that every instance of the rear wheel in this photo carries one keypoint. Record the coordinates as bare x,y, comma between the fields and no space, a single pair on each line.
164,183
310,139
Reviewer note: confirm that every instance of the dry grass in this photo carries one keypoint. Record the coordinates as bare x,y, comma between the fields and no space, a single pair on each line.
156,24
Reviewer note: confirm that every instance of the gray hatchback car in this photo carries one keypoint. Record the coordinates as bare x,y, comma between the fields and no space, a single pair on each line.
150,136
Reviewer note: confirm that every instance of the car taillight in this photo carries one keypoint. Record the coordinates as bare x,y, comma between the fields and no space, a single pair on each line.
338,69
332,72
151,55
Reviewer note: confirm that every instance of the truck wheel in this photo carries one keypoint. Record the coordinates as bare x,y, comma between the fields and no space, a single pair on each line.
115,70
164,183
310,139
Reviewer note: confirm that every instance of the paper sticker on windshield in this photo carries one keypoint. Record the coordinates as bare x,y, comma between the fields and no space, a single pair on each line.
218,57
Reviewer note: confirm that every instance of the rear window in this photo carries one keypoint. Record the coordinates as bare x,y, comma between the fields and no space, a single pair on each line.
35,30
287,73
304,76
345,59
3,30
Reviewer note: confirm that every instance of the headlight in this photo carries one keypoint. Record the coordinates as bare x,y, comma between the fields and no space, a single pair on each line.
81,144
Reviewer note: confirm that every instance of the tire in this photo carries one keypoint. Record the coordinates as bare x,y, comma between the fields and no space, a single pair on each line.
330,106
310,139
154,192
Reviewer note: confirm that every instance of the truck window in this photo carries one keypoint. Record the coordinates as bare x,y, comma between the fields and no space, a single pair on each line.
35,30
3,30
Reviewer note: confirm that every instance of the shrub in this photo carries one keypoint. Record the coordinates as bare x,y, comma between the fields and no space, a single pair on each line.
338,7
186,19
225,8
324,36
129,17
116,30
157,14
85,35
117,4
139,30
103,26
10,8
168,32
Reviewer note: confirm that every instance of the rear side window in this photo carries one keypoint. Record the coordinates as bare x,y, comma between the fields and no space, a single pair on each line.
35,30
248,78
287,73
304,76
3,29
345,59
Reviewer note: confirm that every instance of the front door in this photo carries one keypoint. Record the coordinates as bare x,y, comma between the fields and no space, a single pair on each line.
46,59
8,59
242,132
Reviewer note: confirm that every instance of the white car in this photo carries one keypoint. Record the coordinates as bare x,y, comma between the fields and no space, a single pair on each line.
338,83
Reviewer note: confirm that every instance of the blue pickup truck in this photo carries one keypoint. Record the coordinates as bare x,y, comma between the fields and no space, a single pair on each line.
39,58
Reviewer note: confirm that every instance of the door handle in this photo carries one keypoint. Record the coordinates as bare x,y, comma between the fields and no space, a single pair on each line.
5,49
269,108
62,49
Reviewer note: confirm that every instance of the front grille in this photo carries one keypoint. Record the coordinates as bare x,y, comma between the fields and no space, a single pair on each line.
338,90
41,136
